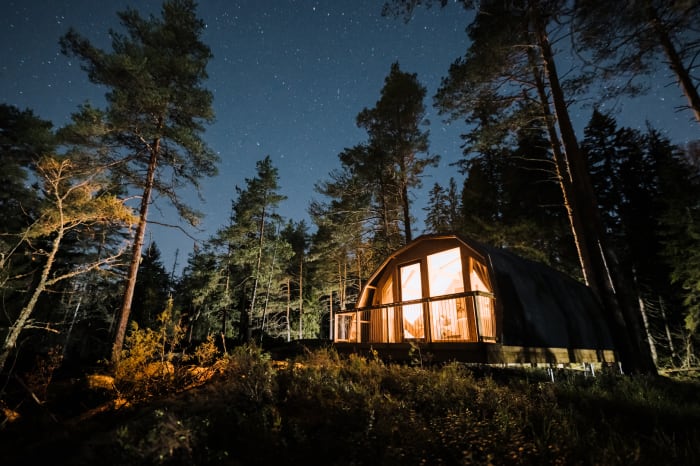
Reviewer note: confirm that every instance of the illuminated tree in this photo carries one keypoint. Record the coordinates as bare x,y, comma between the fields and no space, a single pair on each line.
155,114
72,199
251,243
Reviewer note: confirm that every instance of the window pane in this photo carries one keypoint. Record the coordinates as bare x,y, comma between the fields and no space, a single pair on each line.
413,326
448,317
445,273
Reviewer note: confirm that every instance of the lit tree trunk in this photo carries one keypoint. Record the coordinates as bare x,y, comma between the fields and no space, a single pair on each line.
269,288
21,322
136,254
668,331
72,323
301,288
341,286
562,172
330,314
359,271
261,239
647,331
624,319
289,305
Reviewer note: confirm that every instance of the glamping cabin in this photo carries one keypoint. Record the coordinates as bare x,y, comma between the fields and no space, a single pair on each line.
460,300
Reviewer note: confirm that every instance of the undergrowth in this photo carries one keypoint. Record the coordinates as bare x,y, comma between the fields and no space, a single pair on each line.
323,408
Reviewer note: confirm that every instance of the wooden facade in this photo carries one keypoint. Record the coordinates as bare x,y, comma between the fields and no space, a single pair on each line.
460,300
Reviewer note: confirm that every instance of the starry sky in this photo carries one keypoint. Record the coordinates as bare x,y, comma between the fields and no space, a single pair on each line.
288,77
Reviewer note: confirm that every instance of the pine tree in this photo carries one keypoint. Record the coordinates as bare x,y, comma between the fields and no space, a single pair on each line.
71,199
680,229
443,210
509,75
153,288
390,160
344,249
626,39
155,115
252,240
203,294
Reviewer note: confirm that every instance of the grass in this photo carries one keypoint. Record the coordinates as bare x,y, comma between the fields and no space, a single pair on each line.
321,408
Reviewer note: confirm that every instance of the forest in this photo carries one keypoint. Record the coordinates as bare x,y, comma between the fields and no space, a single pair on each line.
84,293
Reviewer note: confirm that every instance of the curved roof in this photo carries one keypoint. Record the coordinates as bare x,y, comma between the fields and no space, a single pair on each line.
537,305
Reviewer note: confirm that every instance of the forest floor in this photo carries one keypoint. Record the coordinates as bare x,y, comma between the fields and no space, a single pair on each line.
321,408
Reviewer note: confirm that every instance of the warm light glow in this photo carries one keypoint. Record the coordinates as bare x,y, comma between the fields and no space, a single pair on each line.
389,331
413,313
448,317
445,273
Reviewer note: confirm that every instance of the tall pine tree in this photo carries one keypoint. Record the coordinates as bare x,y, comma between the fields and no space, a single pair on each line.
156,108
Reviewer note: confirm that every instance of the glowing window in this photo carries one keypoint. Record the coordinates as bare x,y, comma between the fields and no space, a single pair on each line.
445,273
411,289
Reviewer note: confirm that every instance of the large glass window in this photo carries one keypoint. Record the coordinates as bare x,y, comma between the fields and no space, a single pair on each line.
484,305
448,317
445,273
411,288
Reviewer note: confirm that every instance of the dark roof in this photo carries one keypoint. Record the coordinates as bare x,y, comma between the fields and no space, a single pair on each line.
544,307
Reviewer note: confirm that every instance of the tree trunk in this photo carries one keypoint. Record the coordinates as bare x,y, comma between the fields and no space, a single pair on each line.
405,204
406,214
261,232
684,80
267,292
301,294
289,305
136,254
669,339
244,323
623,319
330,314
359,272
647,331
562,172
21,322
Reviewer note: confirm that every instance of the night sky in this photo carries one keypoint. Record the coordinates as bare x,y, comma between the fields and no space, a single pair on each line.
288,78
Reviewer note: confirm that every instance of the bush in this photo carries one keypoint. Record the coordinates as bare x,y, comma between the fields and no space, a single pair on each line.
321,408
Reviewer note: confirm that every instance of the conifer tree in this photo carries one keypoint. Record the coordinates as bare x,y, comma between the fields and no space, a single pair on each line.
24,139
71,199
443,210
626,39
153,287
251,241
511,60
156,108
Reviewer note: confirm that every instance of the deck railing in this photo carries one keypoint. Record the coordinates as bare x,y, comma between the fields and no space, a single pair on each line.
460,317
